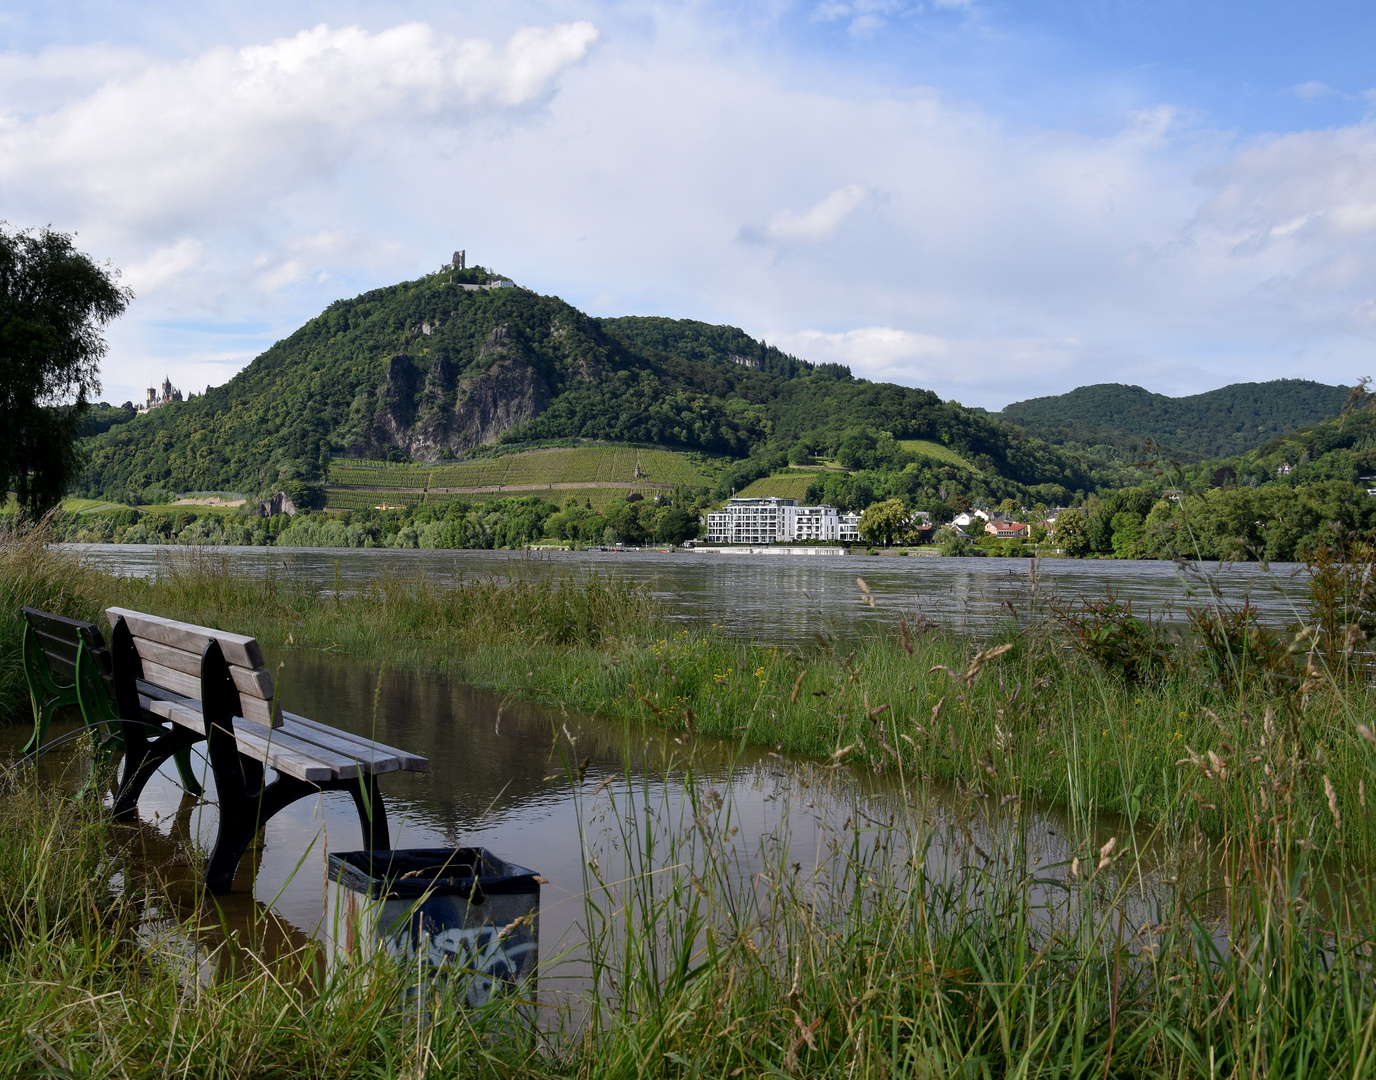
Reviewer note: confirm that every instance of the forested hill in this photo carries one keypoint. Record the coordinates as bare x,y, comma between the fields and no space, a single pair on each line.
428,370
1231,420
1343,448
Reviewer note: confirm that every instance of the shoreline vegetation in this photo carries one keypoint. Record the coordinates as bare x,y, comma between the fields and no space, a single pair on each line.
1275,521
1256,743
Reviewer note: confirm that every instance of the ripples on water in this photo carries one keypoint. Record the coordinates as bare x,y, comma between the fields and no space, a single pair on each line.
499,768
785,598
500,778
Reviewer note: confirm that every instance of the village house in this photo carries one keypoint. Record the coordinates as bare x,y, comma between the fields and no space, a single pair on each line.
1005,529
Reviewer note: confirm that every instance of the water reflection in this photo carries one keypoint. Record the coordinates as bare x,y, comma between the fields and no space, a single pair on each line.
504,775
780,598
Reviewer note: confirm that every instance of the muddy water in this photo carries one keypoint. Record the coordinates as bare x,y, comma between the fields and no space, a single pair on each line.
504,775
784,598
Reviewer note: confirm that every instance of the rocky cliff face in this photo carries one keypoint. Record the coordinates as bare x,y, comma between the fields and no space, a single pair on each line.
422,413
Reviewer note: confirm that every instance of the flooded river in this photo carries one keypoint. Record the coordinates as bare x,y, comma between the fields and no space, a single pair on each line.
504,774
783,598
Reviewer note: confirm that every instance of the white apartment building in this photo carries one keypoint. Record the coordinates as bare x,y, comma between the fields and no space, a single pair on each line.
772,520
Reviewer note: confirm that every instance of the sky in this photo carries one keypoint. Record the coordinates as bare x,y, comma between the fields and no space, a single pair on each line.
991,199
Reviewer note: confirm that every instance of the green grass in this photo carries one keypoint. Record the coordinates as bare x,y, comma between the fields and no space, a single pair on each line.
937,451
557,465
876,959
605,648
344,499
94,506
784,486
900,949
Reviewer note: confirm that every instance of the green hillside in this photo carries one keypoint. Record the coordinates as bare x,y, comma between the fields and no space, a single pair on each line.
624,465
429,374
927,448
1343,449
783,485
1117,419
587,474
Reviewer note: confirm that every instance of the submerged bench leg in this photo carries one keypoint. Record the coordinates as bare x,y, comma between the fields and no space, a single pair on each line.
372,814
190,784
142,756
246,804
242,816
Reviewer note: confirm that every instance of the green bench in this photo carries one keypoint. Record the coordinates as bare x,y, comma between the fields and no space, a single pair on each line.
66,663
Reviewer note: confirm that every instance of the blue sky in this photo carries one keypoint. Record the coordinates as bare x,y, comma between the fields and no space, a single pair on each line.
991,199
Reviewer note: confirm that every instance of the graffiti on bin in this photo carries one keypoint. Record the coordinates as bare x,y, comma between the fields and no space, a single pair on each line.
492,962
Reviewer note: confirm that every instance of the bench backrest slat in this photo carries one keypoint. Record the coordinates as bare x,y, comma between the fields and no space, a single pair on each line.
238,649
60,639
59,652
255,682
170,652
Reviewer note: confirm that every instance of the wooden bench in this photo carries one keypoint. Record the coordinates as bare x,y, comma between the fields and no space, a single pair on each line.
66,663
214,686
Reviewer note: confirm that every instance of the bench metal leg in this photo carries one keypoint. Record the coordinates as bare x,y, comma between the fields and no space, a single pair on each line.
190,784
243,815
372,814
142,756
246,804
45,693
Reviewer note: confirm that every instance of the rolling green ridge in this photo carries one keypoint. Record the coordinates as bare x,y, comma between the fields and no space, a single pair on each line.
1342,448
428,371
1111,420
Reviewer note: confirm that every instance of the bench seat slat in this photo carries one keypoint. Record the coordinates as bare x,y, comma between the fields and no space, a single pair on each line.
286,754
350,754
238,649
177,712
376,750
291,756
366,759
162,693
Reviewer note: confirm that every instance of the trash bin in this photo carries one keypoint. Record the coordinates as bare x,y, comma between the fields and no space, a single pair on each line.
459,914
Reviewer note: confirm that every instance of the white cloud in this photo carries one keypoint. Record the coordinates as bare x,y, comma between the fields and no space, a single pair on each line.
1311,91
220,133
911,236
162,266
871,352
820,222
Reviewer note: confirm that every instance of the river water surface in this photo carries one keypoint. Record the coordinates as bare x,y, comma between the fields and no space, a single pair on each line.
783,598
504,773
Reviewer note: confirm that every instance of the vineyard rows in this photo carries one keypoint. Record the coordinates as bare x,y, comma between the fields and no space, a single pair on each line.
563,465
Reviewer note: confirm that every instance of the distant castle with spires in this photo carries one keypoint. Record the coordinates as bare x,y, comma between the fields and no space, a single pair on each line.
169,394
